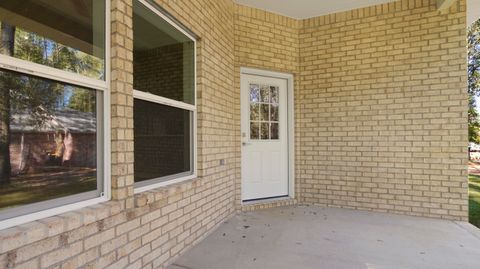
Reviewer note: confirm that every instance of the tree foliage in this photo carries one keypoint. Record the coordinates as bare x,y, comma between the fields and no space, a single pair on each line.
473,81
39,97
7,34
83,100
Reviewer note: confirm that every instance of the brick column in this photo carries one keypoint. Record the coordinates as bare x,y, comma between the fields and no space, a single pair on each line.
122,101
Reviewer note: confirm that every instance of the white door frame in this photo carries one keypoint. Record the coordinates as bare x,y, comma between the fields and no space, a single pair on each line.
290,119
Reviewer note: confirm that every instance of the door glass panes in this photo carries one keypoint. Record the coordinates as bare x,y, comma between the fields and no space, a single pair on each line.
273,130
274,112
254,130
264,129
254,93
68,35
264,112
274,95
254,111
265,94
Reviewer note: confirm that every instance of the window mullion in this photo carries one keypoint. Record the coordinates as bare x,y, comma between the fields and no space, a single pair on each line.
162,100
34,69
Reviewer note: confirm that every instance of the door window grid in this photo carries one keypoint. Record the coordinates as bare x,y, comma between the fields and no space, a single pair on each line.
264,112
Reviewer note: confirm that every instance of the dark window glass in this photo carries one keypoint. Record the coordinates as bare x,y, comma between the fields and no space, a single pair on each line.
162,141
48,141
163,57
68,34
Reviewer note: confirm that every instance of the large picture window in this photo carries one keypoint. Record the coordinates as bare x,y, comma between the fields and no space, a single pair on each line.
164,106
52,99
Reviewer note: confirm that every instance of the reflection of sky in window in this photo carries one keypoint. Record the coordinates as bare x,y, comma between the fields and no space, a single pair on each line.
254,93
477,105
49,44
67,94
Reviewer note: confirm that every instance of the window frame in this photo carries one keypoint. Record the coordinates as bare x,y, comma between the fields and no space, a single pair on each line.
155,183
28,68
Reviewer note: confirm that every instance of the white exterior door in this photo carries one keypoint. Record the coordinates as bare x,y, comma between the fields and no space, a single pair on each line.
264,119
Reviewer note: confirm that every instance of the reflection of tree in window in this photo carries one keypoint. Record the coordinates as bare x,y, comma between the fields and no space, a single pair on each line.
48,129
66,35
264,112
38,97
51,135
35,48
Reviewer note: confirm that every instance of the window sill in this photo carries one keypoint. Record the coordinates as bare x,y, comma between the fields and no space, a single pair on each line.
28,233
167,183
36,230
167,190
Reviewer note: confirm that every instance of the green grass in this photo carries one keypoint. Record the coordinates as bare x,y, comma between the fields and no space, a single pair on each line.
30,189
474,198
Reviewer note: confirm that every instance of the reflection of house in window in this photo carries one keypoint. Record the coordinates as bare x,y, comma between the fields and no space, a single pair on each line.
66,138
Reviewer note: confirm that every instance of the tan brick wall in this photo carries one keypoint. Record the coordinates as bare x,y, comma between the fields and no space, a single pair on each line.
380,104
121,97
148,230
380,114
265,41
383,121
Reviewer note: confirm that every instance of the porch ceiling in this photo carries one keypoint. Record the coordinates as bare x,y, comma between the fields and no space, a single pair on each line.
473,11
302,9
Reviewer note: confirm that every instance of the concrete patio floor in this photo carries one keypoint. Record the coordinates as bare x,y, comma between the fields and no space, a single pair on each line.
314,237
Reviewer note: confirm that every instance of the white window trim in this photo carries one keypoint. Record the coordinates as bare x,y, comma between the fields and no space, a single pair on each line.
167,19
47,72
173,103
145,96
29,68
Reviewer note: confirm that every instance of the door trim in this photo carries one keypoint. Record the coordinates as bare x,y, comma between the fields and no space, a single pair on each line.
290,120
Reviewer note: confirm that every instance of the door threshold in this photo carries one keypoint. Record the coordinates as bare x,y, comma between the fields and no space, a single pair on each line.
260,200
271,202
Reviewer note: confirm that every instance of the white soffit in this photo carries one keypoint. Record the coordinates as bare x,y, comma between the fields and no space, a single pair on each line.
303,9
